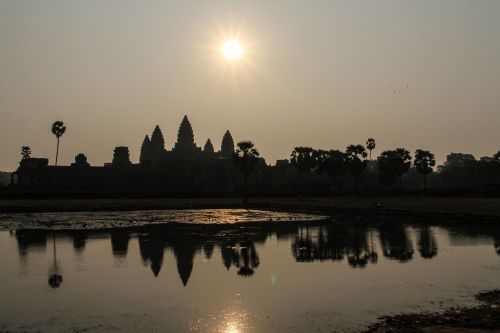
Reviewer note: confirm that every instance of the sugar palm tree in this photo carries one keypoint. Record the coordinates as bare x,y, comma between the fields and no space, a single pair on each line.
58,130
245,159
424,163
356,161
303,159
370,145
403,165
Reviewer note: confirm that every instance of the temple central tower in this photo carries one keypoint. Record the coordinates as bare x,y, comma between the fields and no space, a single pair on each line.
185,138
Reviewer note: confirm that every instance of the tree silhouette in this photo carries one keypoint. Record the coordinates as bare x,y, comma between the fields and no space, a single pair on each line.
320,160
424,163
335,164
427,244
387,164
245,159
58,130
25,152
302,158
497,156
356,161
55,279
370,145
249,259
403,164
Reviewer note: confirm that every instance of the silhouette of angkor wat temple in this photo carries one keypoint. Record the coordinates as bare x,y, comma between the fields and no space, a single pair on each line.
185,168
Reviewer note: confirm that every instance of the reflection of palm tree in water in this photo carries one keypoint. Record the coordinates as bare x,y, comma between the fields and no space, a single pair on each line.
250,259
427,244
358,253
497,242
302,247
55,279
242,256
373,255
395,242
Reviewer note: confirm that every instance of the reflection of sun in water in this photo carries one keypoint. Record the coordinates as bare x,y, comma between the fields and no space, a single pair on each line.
232,328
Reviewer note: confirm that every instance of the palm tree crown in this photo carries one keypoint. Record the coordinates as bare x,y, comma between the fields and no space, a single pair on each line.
424,163
370,145
245,159
58,130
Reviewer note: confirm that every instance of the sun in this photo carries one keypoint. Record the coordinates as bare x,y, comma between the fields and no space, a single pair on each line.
232,49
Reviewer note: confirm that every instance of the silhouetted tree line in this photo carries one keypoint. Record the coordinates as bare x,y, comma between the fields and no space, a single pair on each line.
354,167
317,170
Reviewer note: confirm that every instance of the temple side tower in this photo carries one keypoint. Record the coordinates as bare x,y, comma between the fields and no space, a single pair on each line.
227,146
157,141
121,157
209,147
156,148
145,151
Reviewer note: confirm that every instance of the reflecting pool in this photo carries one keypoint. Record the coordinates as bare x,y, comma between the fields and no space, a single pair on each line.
290,274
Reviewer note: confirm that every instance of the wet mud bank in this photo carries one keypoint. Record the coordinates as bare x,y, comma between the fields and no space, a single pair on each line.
482,318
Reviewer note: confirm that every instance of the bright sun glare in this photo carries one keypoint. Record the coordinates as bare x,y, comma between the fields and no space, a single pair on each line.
232,49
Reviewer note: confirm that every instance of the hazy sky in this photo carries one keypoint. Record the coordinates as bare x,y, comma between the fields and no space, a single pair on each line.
417,74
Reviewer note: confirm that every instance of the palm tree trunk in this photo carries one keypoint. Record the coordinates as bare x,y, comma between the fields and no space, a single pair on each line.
425,182
245,184
400,183
54,248
57,150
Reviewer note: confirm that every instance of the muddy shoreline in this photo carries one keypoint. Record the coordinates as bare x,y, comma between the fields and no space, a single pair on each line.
482,318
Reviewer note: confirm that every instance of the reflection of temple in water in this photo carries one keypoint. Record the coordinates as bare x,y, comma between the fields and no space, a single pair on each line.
234,252
358,243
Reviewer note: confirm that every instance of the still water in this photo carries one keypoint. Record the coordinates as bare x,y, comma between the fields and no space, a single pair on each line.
262,272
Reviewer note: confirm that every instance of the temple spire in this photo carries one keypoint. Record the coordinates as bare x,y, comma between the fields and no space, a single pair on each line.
157,140
209,147
227,146
145,150
185,136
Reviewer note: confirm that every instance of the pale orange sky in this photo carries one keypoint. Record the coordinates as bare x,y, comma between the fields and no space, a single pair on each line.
417,74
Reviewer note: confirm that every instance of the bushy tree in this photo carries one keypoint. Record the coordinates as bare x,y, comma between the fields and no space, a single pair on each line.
245,159
302,158
393,164
25,152
497,156
331,162
320,160
336,163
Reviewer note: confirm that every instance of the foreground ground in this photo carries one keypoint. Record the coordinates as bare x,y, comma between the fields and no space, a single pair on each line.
477,206
480,319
